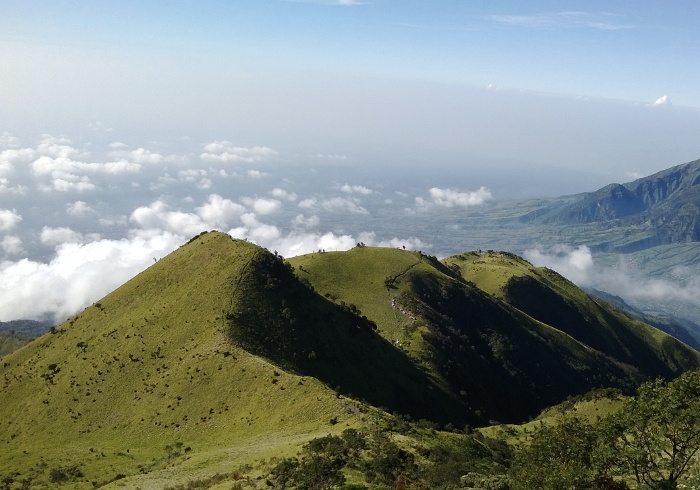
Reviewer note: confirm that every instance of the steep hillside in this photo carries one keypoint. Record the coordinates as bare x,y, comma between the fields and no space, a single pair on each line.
549,298
222,354
10,342
454,329
148,377
656,210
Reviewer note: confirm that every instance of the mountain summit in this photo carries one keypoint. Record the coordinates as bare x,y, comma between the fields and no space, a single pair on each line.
222,345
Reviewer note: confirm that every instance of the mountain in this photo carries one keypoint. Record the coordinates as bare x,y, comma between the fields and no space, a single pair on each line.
223,354
27,328
661,209
454,326
11,342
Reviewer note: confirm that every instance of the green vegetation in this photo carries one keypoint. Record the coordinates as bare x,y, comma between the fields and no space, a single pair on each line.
10,342
224,365
651,442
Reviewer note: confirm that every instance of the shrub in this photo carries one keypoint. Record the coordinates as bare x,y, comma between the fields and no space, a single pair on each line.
65,473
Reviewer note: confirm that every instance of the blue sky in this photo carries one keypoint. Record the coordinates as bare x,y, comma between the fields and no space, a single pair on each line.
126,127
365,77
621,50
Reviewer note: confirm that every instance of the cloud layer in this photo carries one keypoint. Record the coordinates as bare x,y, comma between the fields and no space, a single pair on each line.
86,218
624,280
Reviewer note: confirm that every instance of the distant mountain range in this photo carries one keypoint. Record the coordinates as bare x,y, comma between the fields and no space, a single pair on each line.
661,209
224,349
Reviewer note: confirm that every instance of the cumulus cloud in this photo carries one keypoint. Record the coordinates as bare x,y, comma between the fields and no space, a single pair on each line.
8,141
9,158
144,156
73,184
283,194
449,198
343,204
262,206
218,212
355,189
9,218
78,275
12,245
78,208
309,203
60,235
157,217
225,152
301,221
256,174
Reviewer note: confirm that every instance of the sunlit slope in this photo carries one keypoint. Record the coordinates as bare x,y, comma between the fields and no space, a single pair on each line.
550,298
502,363
153,365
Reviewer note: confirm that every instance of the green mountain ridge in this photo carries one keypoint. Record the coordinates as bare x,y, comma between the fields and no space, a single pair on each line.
222,353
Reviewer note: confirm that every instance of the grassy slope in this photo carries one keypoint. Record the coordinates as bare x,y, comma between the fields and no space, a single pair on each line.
454,330
10,342
151,365
551,299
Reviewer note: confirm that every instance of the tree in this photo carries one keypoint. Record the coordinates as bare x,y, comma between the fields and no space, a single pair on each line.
558,458
656,436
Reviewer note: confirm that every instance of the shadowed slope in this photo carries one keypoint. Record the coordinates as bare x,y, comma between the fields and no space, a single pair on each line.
551,299
504,363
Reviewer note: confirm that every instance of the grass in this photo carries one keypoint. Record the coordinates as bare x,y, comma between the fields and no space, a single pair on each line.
220,356
148,366
10,342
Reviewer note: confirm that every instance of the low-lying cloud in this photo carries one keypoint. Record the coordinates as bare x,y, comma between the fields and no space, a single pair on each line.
624,280
450,198
84,219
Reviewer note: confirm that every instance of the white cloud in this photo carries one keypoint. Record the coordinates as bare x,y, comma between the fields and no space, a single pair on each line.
225,151
113,222
57,236
76,276
157,217
355,189
144,156
9,218
62,167
8,141
662,101
282,194
219,212
78,184
578,265
343,204
263,234
8,159
262,206
78,208
12,245
301,221
309,203
449,198
256,174
6,188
